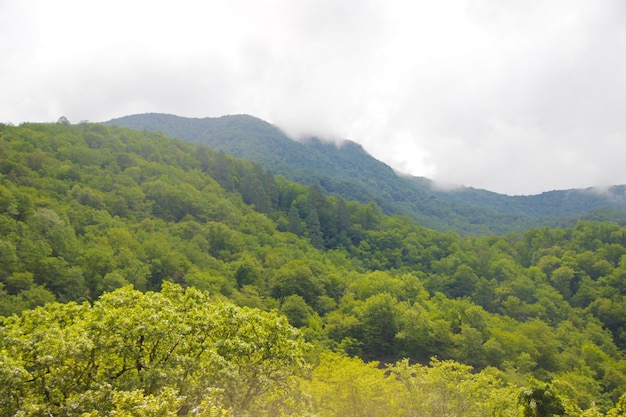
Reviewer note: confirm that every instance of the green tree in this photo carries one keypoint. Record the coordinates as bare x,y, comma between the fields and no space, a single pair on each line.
379,320
128,349
294,221
541,401
620,408
348,387
296,309
450,389
314,231
296,277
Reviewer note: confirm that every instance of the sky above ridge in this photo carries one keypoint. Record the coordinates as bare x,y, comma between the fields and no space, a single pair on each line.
513,96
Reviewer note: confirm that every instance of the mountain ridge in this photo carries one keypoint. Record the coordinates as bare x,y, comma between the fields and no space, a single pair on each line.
348,170
100,222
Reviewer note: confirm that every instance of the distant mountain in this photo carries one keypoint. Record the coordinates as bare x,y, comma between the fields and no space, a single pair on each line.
350,171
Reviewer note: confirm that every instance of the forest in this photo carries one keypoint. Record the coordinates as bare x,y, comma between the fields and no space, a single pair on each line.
345,168
146,276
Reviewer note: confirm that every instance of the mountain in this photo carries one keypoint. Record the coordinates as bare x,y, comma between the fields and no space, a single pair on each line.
88,210
348,170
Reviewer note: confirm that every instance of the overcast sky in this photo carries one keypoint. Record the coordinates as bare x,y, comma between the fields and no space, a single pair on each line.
513,96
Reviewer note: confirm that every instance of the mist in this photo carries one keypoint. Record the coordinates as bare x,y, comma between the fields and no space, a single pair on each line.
518,97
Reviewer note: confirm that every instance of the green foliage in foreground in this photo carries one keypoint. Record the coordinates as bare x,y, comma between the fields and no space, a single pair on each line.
87,209
181,353
177,351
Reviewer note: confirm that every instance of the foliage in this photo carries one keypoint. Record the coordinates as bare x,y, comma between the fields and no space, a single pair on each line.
169,352
86,210
349,171
447,388
347,387
541,402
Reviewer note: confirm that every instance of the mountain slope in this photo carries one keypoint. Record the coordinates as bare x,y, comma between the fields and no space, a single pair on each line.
349,171
86,209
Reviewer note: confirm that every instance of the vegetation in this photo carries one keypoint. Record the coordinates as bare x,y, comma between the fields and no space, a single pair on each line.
155,277
161,353
349,171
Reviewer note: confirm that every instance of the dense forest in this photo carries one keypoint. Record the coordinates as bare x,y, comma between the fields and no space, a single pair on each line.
348,170
146,276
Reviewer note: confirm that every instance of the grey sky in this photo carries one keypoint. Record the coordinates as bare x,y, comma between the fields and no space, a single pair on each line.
514,96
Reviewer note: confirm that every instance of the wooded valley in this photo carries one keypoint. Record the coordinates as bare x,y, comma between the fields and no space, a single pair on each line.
146,276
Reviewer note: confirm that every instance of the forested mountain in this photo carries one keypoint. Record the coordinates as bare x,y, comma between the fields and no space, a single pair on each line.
256,296
349,171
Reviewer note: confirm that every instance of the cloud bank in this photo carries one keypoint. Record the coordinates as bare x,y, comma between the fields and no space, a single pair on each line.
517,97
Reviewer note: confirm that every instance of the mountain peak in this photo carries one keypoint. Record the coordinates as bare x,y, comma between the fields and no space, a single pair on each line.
346,169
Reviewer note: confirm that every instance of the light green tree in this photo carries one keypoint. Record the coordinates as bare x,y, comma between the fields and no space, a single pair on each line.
450,389
171,352
347,387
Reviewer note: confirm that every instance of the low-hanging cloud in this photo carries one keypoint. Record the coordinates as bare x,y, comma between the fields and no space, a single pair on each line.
517,97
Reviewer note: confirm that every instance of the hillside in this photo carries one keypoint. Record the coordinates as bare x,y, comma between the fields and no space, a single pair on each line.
349,171
226,260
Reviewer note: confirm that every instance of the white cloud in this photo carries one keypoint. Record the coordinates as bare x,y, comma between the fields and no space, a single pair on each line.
517,96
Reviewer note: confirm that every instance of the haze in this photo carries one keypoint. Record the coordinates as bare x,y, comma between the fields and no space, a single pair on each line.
516,96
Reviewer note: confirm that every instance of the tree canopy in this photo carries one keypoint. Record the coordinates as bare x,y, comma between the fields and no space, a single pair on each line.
129,253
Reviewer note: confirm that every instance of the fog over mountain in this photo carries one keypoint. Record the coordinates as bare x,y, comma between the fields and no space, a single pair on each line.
516,97
348,170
